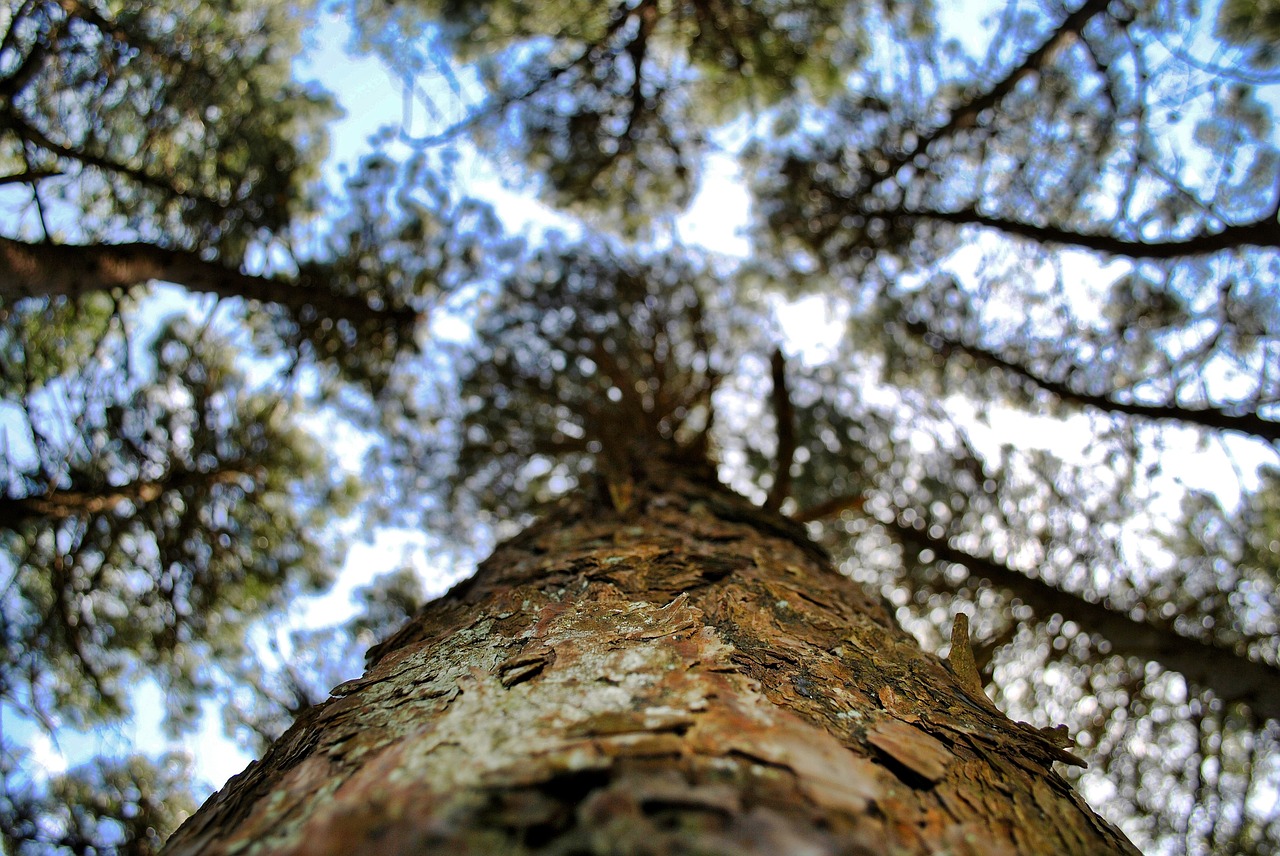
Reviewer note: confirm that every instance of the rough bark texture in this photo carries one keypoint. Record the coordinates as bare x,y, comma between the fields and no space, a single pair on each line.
676,672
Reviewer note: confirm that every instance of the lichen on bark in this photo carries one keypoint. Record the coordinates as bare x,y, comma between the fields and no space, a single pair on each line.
688,674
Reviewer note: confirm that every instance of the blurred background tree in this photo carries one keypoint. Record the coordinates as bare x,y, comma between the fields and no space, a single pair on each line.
1038,380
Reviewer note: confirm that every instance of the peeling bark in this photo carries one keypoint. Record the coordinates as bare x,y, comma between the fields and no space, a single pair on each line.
687,674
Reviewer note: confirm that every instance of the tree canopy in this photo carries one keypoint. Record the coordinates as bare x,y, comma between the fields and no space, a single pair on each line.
1038,381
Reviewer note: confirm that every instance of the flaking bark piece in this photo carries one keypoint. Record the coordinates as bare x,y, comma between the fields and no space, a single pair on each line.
909,747
524,666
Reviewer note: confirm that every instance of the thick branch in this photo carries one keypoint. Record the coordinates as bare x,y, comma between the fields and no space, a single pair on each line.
1231,676
830,508
785,415
34,176
47,270
63,504
1208,417
1259,233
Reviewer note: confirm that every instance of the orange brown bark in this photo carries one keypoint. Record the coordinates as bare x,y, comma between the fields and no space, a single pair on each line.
691,675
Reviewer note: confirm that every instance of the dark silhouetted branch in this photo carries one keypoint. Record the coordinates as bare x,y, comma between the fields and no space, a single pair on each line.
966,115
49,270
24,130
1206,417
30,176
1260,233
1231,676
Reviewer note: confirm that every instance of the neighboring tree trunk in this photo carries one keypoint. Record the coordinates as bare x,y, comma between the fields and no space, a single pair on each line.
669,670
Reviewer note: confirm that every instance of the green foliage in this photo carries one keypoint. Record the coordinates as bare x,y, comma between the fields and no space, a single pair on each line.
610,107
398,242
125,806
1255,24
1047,241
1228,566
145,539
620,154
581,347
39,342
187,130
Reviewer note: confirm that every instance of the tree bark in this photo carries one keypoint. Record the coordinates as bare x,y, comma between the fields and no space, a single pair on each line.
652,669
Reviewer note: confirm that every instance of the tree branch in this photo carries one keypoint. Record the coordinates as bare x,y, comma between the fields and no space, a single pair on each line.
1259,233
1230,675
785,415
833,507
31,176
48,270
1208,417
499,103
17,123
966,115
63,504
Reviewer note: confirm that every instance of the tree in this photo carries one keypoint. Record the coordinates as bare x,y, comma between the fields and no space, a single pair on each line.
105,807
144,541
1049,240
658,665
157,504
169,143
1074,224
155,510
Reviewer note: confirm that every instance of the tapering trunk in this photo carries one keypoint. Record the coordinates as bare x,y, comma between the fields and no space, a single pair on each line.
670,670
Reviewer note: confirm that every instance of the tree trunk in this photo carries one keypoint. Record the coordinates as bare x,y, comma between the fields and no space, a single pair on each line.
668,670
